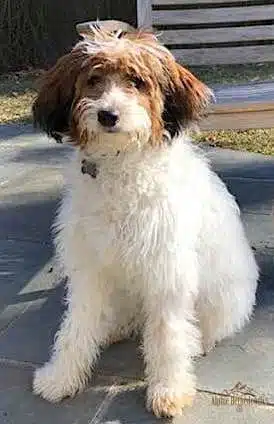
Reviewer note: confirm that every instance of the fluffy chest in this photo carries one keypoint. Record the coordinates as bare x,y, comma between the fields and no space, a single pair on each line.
132,208
118,189
119,208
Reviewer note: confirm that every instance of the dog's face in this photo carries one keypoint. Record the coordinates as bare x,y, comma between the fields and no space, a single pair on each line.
119,87
112,99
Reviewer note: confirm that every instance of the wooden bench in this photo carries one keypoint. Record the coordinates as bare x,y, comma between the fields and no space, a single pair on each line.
207,32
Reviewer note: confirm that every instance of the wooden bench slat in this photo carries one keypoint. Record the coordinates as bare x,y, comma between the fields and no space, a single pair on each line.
229,55
218,15
238,120
228,108
216,35
179,2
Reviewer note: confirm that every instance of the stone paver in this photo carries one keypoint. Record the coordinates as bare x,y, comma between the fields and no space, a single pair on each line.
18,405
31,301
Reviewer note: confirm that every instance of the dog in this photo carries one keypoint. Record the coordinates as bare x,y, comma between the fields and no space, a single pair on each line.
148,235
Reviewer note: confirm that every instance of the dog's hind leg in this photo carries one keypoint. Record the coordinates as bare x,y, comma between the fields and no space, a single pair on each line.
226,298
223,315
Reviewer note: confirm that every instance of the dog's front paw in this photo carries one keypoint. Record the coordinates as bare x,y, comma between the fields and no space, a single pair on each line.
167,403
54,383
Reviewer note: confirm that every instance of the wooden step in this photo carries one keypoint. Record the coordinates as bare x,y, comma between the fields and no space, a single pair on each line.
239,117
242,107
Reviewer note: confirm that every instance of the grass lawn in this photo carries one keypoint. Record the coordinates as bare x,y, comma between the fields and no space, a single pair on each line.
17,92
256,141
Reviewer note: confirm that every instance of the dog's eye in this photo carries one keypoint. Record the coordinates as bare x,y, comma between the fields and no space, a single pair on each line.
137,83
93,80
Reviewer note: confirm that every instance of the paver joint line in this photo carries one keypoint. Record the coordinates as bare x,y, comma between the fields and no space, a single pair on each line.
112,392
18,364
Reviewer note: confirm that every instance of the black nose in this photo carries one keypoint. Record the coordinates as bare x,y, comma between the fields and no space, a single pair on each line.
107,118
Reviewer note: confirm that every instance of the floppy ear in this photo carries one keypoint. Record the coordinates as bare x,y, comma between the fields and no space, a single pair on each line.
186,99
51,109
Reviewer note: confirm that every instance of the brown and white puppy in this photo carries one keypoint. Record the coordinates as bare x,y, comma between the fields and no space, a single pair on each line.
148,235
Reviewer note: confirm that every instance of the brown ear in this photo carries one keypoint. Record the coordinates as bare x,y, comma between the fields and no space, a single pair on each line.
186,99
51,109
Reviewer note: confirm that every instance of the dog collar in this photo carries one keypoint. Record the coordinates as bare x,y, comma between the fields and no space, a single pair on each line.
90,168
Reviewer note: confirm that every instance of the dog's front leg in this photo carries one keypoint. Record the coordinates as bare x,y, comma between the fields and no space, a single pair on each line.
76,346
171,338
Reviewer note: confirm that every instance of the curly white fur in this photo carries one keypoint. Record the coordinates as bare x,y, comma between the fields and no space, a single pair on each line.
154,243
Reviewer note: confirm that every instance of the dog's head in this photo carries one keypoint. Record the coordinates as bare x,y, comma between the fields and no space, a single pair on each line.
124,84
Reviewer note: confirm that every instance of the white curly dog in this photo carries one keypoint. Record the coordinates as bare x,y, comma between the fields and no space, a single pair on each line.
148,235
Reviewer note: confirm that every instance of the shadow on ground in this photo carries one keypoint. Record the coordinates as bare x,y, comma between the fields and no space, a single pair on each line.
8,131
